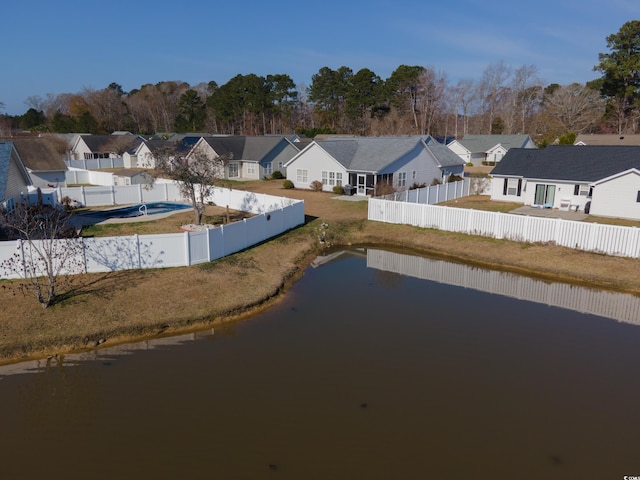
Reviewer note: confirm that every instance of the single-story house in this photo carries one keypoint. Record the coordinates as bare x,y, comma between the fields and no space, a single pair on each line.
601,180
248,157
43,157
364,163
89,147
488,149
14,177
607,139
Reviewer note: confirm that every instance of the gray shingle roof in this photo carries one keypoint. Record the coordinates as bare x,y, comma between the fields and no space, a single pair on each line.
483,143
374,154
39,154
567,162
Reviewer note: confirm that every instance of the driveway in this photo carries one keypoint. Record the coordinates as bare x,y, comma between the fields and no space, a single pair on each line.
550,213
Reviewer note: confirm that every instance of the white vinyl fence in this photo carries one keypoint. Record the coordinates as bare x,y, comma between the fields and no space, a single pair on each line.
432,194
591,237
96,163
274,215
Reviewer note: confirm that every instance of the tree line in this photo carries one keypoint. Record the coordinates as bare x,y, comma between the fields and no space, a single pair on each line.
412,100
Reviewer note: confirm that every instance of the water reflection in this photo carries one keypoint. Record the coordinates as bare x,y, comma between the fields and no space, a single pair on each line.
617,306
359,372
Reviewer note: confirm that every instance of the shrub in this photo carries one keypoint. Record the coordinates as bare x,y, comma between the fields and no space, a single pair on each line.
316,186
338,190
287,184
469,164
384,188
277,175
454,178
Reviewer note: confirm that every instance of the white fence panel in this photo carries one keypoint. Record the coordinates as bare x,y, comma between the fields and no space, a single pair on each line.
255,231
235,237
198,247
607,239
164,250
110,254
216,243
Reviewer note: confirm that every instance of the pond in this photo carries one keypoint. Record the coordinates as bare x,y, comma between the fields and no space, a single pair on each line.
375,365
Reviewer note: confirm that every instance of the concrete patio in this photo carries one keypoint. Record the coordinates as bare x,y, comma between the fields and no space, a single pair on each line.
550,213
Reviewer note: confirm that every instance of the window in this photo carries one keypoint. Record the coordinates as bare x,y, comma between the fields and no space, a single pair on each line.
638,197
268,169
251,168
402,179
512,186
582,190
302,175
413,175
332,178
233,170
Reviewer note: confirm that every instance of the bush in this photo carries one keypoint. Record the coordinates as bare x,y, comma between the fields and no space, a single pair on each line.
338,190
316,186
287,184
277,175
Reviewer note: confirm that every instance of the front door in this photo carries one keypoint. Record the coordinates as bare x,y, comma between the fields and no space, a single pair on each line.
361,187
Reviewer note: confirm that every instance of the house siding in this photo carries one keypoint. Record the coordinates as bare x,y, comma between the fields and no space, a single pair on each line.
315,161
418,162
15,182
617,197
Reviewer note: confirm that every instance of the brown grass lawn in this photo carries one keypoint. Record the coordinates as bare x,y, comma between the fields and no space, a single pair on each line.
129,305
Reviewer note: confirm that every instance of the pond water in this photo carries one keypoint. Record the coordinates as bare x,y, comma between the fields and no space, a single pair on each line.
376,365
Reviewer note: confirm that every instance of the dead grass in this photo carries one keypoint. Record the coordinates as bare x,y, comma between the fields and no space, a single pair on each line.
482,202
122,306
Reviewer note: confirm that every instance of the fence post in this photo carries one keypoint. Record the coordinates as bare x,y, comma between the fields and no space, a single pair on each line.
186,249
113,195
140,193
84,195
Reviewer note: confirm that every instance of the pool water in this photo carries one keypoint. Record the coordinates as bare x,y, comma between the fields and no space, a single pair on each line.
136,210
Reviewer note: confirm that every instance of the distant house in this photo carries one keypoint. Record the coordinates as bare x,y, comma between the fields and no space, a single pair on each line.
608,139
601,180
366,162
90,147
248,157
43,159
488,149
14,177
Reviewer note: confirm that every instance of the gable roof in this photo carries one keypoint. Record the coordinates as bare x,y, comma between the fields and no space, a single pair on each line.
6,149
607,139
39,154
373,154
247,148
568,162
483,143
110,143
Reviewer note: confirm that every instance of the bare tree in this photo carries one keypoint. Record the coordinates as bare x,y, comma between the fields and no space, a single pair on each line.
48,249
575,107
491,90
197,175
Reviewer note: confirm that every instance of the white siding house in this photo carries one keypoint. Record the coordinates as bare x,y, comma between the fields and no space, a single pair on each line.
600,180
364,163
617,195
488,149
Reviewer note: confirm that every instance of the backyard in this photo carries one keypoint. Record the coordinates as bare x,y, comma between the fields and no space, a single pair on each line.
120,306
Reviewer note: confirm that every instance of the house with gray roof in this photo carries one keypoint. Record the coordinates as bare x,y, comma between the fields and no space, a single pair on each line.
364,163
600,180
90,147
43,157
488,149
14,177
249,157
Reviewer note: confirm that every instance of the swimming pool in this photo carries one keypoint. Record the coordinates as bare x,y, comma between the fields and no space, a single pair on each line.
133,211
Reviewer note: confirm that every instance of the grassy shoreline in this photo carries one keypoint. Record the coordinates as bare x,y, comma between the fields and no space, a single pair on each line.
132,305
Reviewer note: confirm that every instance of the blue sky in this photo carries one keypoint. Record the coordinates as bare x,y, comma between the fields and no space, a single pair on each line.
68,45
